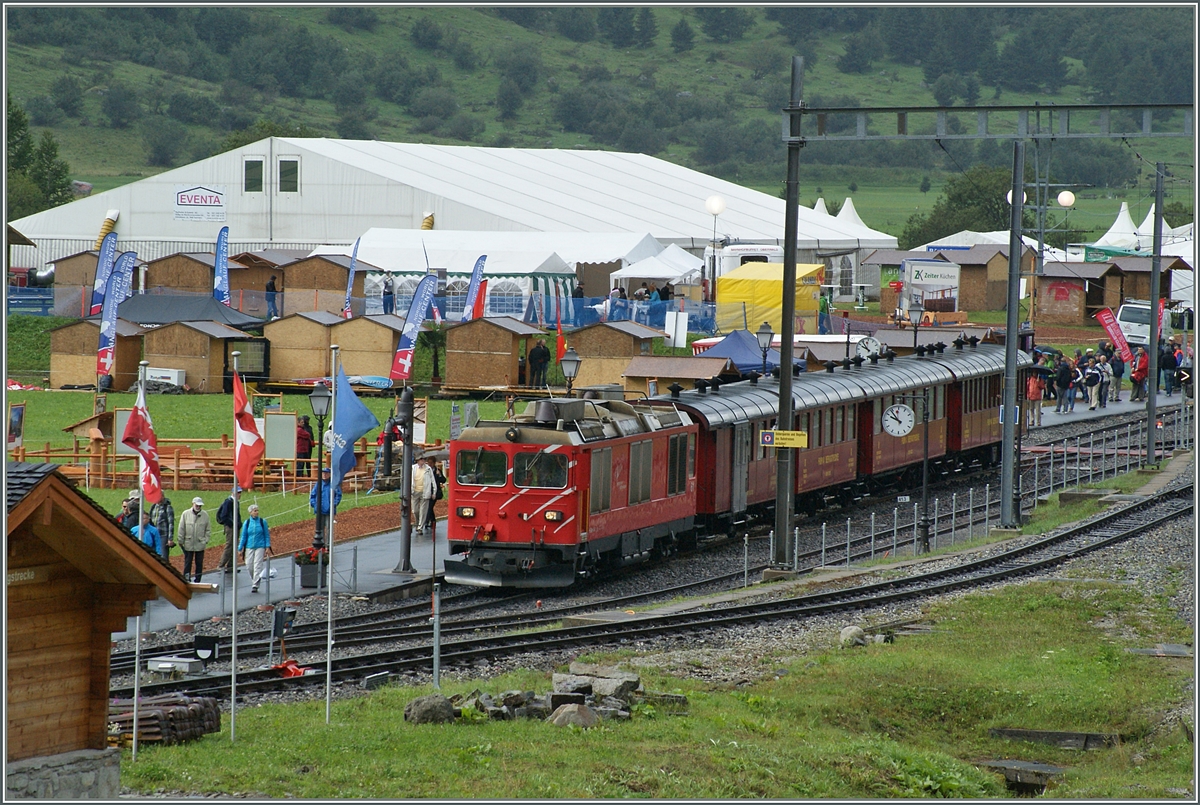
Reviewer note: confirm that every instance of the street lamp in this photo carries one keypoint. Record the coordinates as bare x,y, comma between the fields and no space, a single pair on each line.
319,399
570,367
764,336
715,205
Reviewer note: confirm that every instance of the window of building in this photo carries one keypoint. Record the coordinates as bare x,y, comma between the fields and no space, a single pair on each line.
600,490
641,471
505,298
252,181
289,175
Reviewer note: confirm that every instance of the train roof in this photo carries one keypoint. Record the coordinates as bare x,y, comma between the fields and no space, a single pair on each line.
737,402
573,421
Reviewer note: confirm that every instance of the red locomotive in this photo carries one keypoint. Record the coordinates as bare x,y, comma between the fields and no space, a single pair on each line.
572,487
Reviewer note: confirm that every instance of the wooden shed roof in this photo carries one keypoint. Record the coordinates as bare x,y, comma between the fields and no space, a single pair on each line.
99,548
215,329
270,258
15,238
323,317
1139,265
628,327
1083,271
124,328
339,260
207,258
894,257
668,366
514,326
389,320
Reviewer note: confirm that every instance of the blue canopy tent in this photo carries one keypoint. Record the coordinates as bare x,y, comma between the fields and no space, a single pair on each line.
741,347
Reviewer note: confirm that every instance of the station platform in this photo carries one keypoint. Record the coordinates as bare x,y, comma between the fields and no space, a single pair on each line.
1081,412
363,566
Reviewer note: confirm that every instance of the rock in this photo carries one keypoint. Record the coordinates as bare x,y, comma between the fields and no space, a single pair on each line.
578,714
853,636
613,701
602,671
432,709
458,698
616,686
515,698
571,683
612,713
557,700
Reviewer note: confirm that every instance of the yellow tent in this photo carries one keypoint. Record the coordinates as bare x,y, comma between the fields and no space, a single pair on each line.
753,293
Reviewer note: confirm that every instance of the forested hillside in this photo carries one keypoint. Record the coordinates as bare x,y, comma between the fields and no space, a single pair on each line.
128,91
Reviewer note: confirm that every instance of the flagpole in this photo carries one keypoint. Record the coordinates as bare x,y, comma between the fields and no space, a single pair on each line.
234,561
137,638
329,568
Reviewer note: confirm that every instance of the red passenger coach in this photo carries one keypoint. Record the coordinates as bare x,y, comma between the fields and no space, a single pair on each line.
566,489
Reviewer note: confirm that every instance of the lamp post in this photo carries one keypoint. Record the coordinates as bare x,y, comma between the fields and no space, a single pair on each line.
923,525
764,336
715,205
570,367
320,399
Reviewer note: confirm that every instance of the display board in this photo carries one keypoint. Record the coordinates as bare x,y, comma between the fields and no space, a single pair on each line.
119,430
99,404
280,435
16,425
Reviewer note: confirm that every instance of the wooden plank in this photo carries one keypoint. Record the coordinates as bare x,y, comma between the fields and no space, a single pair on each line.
35,743
21,660
76,685
58,711
68,633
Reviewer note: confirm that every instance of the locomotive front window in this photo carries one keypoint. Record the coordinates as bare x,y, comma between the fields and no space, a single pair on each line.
540,470
482,468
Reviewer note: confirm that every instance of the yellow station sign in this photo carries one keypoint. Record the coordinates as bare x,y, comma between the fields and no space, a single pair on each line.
784,438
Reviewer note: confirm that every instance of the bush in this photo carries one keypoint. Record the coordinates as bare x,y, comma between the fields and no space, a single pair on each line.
43,111
509,99
67,92
353,127
426,34
164,138
575,23
120,106
462,126
523,66
350,17
188,107
436,102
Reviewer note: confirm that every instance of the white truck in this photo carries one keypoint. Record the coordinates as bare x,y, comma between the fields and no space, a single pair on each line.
1133,317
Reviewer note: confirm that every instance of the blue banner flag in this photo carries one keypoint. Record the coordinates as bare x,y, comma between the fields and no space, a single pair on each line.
104,267
350,279
417,311
119,282
351,421
221,267
473,289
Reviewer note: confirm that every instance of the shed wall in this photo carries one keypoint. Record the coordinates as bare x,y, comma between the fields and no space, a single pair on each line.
201,357
73,357
180,273
367,348
299,348
482,354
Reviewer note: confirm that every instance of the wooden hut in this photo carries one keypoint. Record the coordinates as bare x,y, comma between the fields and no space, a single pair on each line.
654,374
202,348
1072,293
73,354
606,348
74,578
74,276
368,343
488,352
187,272
983,274
300,344
319,283
1136,273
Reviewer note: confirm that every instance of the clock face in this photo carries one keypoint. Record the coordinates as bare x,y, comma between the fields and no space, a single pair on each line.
867,347
898,420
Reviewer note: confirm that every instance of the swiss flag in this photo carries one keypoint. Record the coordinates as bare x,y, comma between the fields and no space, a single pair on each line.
402,364
562,341
139,435
248,446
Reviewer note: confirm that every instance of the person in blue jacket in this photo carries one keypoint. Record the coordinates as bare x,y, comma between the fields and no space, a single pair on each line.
148,533
254,544
322,512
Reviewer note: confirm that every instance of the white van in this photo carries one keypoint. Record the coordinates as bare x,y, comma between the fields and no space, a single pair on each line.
1134,320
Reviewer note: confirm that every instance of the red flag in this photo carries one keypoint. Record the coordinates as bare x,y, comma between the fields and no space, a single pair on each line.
1109,322
248,445
139,435
480,296
562,341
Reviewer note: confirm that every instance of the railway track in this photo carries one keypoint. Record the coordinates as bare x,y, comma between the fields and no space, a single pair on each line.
1098,533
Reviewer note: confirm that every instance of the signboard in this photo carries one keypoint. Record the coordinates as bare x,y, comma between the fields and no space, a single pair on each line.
16,425
896,285
455,421
199,202
784,438
279,436
99,404
929,285
119,423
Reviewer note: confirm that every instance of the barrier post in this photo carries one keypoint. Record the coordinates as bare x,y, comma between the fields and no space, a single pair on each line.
987,508
822,545
953,515
872,535
895,528
847,542
935,523
796,549
746,560
971,516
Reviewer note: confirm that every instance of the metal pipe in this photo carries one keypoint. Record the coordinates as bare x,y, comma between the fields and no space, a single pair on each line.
1008,517
1160,170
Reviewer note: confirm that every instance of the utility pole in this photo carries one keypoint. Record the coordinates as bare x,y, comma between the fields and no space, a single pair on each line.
1010,515
1160,169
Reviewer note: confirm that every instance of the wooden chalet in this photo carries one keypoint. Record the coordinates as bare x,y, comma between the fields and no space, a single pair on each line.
654,374
1135,273
488,352
300,344
202,349
187,272
74,276
74,578
73,354
319,283
367,343
606,348
1072,293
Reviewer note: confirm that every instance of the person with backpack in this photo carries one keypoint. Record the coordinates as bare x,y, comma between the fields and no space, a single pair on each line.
1118,371
439,482
1166,365
1062,380
254,544
229,515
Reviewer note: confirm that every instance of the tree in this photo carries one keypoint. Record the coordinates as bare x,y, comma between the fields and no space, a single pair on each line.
164,138
616,25
575,23
724,24
925,185
862,49
120,106
426,34
509,98
349,93
972,200
351,126
522,65
683,38
51,175
947,89
20,143
351,17
43,111
264,128
645,27
433,338
67,93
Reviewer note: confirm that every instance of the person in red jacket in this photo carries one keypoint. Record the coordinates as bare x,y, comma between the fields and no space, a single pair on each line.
1141,368
304,446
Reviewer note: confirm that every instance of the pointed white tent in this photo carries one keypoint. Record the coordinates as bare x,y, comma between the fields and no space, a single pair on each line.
1123,234
819,207
675,256
1146,229
850,215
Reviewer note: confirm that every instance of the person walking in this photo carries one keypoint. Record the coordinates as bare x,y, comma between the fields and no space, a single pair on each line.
321,508
229,515
1062,380
1166,366
439,481
1118,371
424,487
1091,382
823,324
1035,386
1105,379
163,517
254,544
304,446
193,534
539,359
1139,374
147,533
1077,386
389,295
272,310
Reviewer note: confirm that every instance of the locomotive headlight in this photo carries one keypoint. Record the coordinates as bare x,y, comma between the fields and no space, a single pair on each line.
466,511
554,517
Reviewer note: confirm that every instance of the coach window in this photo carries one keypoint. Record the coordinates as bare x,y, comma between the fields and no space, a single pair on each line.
839,422
640,471
482,468
691,455
289,175
540,470
252,175
939,406
850,433
826,427
677,459
601,485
